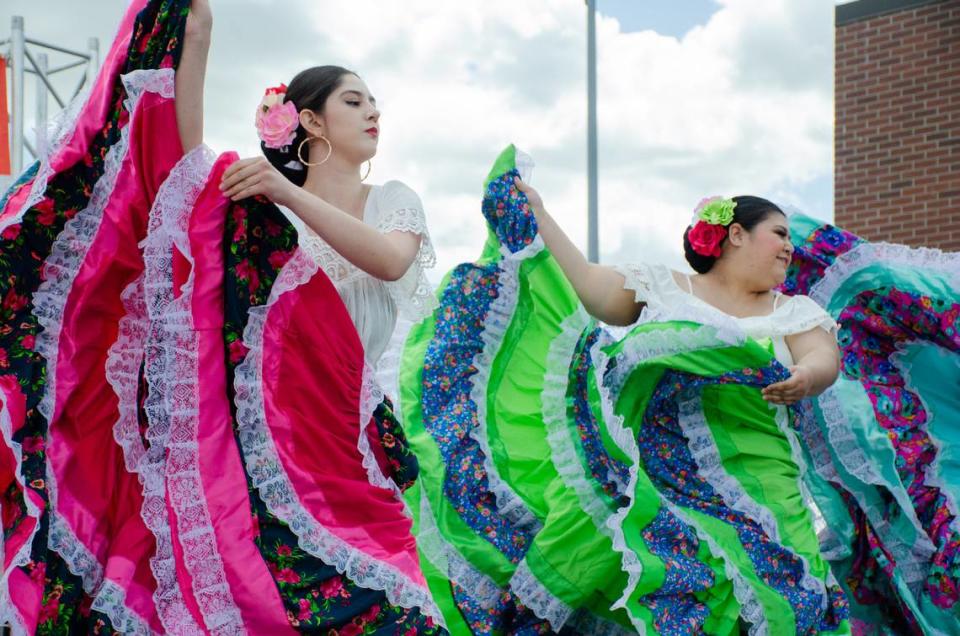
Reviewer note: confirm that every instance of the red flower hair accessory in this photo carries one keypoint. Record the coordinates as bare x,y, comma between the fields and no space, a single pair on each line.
711,219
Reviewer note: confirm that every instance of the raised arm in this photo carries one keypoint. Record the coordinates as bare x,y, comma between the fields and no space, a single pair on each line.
600,288
191,74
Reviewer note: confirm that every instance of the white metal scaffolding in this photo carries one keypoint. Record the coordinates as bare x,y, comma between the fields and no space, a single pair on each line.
28,56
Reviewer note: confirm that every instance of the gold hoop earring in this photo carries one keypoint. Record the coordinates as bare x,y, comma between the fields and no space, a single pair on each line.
316,163
367,173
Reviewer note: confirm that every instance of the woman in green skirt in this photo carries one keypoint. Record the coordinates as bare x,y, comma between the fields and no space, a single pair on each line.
580,483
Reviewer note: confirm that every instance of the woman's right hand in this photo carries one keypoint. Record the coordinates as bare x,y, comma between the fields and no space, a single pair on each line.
533,197
257,176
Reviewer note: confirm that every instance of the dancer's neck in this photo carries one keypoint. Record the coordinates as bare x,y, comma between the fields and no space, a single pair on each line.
339,185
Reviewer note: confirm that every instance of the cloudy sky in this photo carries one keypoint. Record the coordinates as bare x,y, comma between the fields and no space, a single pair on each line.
696,97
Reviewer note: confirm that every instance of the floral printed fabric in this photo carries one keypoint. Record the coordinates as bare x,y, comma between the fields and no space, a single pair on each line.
882,312
665,450
402,465
259,240
474,297
24,247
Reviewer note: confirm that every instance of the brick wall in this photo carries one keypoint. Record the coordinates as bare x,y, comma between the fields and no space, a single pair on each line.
897,142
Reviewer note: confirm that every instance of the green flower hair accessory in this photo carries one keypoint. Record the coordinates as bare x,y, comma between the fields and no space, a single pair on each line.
716,211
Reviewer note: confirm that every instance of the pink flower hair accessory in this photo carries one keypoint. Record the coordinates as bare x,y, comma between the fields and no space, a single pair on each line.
709,227
277,120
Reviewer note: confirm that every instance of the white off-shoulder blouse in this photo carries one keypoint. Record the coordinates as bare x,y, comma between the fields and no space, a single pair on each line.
656,286
374,304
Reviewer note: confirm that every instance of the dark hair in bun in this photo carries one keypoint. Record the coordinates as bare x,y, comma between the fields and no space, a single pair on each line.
750,212
308,90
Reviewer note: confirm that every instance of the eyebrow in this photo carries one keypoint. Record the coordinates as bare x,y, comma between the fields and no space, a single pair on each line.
373,100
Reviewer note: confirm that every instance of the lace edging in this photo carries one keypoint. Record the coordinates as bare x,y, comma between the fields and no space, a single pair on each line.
636,280
911,558
660,343
371,395
448,560
338,269
11,618
70,248
783,326
751,609
412,293
110,600
646,281
108,597
865,254
726,329
626,442
172,405
61,267
534,595
498,319
705,453
124,359
554,409
846,446
272,482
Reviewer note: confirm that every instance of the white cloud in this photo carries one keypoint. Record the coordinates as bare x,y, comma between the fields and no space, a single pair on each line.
741,104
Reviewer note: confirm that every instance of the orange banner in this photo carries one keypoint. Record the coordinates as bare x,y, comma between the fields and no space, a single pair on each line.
4,120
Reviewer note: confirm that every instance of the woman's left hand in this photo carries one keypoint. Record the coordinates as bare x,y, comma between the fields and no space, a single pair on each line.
793,389
250,177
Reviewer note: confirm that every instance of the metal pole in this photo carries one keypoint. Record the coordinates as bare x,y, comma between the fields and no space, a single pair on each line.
44,79
93,50
41,131
593,243
54,47
93,65
67,67
17,66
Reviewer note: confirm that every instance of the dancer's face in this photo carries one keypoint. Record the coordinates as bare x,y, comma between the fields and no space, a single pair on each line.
350,120
768,247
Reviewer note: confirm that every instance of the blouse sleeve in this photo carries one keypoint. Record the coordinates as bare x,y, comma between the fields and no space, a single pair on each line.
804,314
644,280
402,211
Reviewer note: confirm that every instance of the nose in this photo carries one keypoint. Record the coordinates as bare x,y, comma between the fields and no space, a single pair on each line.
374,115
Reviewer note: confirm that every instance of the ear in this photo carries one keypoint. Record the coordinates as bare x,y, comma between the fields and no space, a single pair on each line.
736,234
312,122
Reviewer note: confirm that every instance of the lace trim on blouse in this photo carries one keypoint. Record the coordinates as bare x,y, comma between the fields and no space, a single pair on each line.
398,209
656,286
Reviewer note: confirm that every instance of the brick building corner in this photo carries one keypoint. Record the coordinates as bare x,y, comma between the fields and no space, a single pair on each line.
897,142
